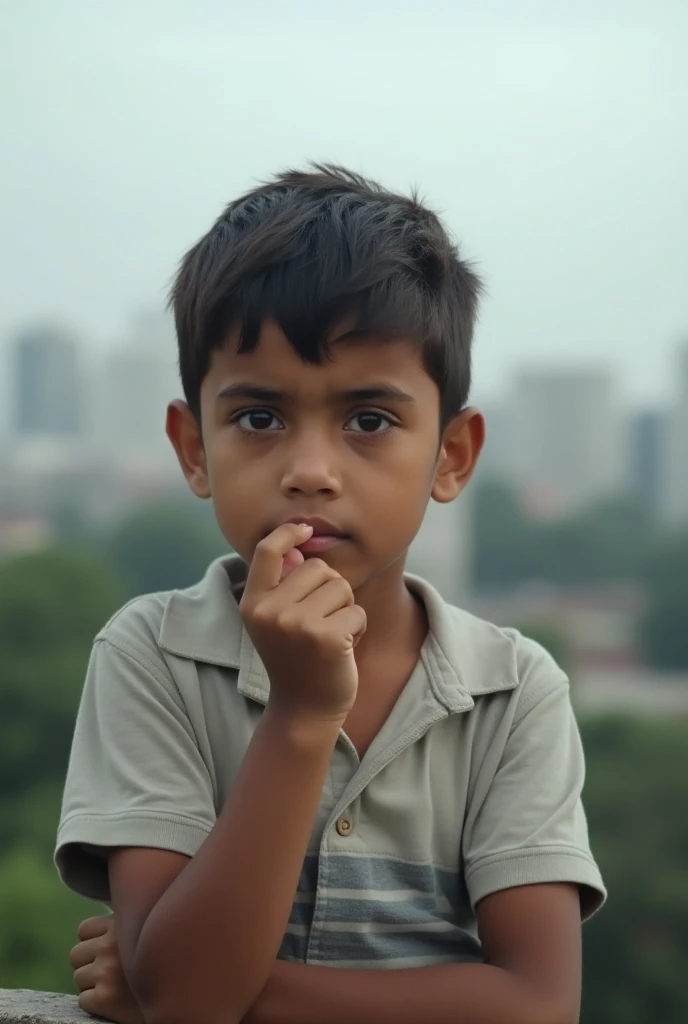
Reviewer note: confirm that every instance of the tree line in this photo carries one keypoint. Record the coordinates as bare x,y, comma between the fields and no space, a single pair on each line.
614,541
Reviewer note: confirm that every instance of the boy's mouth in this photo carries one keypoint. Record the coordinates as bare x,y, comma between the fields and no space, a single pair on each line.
325,535
323,542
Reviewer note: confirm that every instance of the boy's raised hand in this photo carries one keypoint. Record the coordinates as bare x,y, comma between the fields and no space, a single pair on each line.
304,623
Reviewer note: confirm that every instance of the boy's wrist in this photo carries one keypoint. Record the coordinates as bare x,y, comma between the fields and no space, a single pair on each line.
305,732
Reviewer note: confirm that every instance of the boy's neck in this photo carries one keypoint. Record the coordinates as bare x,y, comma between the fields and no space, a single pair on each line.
397,621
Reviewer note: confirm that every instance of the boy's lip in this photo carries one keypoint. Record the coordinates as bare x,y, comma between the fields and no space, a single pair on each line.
318,545
321,527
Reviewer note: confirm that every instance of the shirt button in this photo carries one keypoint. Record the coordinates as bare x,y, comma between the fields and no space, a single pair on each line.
344,826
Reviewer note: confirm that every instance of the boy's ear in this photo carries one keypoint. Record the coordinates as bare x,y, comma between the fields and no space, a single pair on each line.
185,435
462,442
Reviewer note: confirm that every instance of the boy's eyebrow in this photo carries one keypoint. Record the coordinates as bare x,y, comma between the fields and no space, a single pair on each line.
374,392
370,393
257,392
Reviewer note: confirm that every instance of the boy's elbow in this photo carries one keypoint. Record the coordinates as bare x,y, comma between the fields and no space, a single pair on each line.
167,1017
547,1012
163,1002
178,981
556,1016
166,1011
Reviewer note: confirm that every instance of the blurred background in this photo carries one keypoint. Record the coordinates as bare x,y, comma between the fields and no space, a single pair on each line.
553,139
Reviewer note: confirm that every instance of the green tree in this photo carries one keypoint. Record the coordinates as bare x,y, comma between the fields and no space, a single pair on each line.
165,546
609,541
52,603
552,638
29,816
503,537
665,626
636,948
39,922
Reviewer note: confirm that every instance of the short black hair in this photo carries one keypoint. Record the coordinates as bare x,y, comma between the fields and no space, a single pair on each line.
309,248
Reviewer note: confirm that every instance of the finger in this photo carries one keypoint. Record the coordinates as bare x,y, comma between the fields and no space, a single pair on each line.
327,599
266,567
291,560
92,927
84,953
90,1002
96,927
351,621
86,977
302,581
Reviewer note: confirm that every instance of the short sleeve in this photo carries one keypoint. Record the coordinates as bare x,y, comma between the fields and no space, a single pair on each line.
136,776
526,824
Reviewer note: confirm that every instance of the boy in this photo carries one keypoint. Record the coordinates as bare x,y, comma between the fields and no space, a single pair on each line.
309,788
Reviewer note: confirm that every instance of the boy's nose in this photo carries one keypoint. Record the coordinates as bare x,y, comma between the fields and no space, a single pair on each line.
311,472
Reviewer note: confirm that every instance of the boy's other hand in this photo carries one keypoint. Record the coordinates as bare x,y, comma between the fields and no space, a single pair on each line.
98,974
304,625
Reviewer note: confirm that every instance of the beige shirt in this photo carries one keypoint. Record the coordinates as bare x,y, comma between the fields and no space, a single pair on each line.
472,785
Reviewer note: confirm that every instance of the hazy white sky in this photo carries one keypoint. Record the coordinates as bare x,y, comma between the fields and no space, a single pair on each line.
553,137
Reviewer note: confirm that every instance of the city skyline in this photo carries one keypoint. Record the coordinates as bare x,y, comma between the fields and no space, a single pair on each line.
548,136
563,442
562,438
151,331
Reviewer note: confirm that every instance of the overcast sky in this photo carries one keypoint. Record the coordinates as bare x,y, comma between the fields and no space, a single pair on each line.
552,136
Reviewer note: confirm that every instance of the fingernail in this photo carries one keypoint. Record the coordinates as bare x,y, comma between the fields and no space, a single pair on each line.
305,526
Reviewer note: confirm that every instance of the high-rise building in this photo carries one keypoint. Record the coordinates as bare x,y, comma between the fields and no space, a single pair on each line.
647,438
136,382
494,458
675,463
566,439
135,399
441,552
47,384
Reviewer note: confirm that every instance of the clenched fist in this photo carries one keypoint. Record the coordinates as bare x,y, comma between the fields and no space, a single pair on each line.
98,973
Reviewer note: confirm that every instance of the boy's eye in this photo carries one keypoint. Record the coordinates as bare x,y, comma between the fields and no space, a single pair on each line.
255,421
369,423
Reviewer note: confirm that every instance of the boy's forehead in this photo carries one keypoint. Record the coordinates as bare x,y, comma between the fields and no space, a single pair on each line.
351,361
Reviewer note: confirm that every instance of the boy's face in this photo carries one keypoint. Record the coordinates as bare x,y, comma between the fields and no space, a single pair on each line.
353,441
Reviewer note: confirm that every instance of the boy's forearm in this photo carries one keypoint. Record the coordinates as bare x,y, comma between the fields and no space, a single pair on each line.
236,893
447,994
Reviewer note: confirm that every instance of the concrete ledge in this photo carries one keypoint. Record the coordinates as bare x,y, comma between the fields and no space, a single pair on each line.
23,1006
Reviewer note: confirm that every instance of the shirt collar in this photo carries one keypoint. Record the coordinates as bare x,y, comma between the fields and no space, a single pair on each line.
466,656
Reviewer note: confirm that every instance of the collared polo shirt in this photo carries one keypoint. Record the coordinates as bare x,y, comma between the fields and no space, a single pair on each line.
472,785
